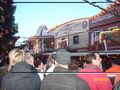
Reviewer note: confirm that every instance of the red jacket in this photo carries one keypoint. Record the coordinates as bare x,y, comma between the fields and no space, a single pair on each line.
95,79
114,69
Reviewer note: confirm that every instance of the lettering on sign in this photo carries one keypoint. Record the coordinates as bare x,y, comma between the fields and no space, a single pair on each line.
72,28
104,17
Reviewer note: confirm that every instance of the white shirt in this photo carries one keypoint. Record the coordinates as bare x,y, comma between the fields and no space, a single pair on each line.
50,69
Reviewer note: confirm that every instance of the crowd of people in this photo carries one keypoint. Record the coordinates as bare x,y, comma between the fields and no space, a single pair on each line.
60,72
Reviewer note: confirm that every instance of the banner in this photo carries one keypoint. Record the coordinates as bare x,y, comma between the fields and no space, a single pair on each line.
112,38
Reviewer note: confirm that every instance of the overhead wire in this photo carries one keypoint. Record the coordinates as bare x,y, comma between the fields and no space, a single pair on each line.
93,4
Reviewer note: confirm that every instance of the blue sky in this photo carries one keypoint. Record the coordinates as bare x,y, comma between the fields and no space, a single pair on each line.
30,16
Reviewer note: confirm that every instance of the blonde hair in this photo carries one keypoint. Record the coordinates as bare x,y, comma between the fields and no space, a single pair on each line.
16,55
28,56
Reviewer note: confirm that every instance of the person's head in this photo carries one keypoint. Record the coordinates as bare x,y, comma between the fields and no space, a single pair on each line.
62,57
93,58
51,59
38,63
73,66
16,55
29,59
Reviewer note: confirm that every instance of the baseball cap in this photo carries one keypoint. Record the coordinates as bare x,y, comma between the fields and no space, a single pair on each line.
62,56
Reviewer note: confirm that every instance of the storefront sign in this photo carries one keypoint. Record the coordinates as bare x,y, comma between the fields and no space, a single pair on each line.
104,17
72,28
109,14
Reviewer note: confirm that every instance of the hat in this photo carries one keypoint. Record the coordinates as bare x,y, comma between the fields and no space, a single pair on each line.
62,56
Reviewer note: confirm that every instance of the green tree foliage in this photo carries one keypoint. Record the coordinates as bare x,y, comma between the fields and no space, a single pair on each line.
8,28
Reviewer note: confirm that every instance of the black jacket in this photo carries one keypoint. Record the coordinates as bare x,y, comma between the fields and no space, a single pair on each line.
21,77
63,81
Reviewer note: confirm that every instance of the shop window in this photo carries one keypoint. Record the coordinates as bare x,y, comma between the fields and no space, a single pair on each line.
76,39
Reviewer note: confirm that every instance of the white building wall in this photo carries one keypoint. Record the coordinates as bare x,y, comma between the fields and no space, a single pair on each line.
83,40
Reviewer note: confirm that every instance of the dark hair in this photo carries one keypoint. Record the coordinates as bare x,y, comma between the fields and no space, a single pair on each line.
89,57
115,61
73,66
37,61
